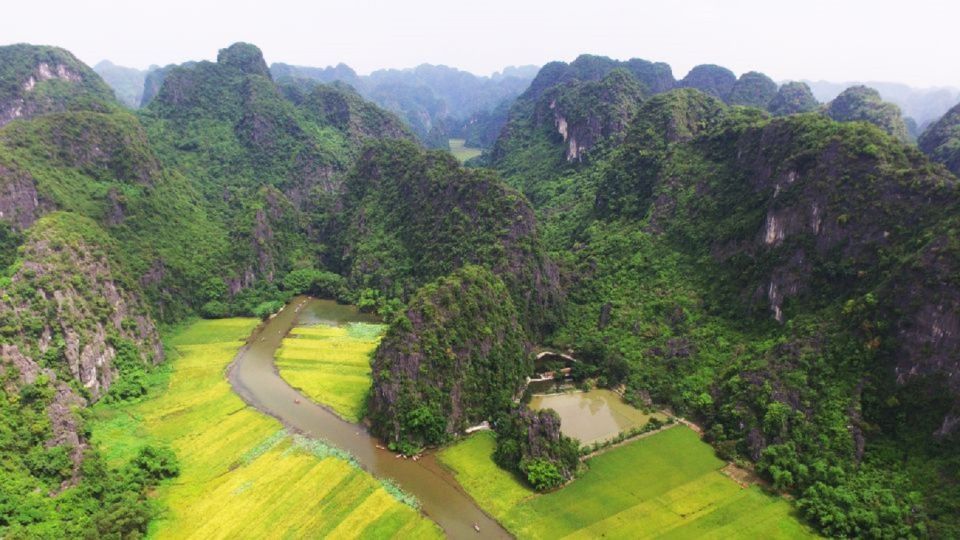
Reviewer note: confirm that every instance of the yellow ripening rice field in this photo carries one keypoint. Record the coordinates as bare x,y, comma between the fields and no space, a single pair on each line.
667,485
331,364
241,474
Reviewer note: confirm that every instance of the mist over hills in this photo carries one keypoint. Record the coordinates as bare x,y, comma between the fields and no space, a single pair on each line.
439,102
923,105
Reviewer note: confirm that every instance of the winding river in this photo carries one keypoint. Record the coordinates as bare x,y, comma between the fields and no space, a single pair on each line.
255,379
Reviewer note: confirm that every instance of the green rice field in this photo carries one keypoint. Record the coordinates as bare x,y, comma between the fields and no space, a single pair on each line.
667,485
460,150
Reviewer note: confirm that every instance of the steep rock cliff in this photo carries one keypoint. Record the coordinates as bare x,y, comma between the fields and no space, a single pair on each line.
66,314
455,358
36,80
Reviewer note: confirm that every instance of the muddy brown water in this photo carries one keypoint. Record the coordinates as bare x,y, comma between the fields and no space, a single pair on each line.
255,379
592,416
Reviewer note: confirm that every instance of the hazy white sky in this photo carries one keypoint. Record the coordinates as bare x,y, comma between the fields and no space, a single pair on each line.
913,41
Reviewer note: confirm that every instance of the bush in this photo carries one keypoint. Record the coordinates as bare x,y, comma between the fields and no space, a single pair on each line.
155,463
214,309
129,386
266,309
541,473
51,464
299,281
313,281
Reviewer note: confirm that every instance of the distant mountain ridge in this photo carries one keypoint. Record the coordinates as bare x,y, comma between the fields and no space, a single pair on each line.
437,101
440,102
127,83
924,105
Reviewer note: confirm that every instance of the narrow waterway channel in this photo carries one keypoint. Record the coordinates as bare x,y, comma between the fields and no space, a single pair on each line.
255,379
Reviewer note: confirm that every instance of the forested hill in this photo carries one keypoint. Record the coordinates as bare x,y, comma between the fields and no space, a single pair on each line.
435,102
226,195
571,108
789,281
781,271
941,141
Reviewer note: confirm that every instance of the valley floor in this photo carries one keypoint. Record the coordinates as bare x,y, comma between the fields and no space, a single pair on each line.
242,475
668,485
460,150
331,364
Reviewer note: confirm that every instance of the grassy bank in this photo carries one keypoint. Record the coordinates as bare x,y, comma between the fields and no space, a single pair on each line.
665,485
331,364
241,475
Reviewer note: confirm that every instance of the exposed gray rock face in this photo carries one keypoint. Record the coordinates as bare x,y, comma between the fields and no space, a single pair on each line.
67,277
42,80
20,205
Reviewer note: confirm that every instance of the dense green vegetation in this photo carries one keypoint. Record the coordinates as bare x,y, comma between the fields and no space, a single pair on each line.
753,89
863,104
530,443
941,141
711,79
409,216
737,268
456,357
793,98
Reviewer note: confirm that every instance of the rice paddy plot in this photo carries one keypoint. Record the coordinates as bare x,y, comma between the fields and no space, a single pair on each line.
460,150
241,474
331,364
665,485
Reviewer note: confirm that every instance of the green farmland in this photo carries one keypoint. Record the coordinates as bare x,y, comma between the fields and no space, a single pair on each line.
668,485
460,150
331,364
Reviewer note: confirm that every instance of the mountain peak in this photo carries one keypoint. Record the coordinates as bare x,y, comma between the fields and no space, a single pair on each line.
246,57
862,103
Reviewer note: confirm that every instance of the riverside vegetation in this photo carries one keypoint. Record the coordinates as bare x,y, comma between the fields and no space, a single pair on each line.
709,243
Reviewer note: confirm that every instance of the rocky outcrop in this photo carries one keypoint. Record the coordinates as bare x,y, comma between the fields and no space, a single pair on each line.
863,104
584,113
455,358
41,80
710,79
64,312
245,57
69,276
753,89
20,205
793,98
